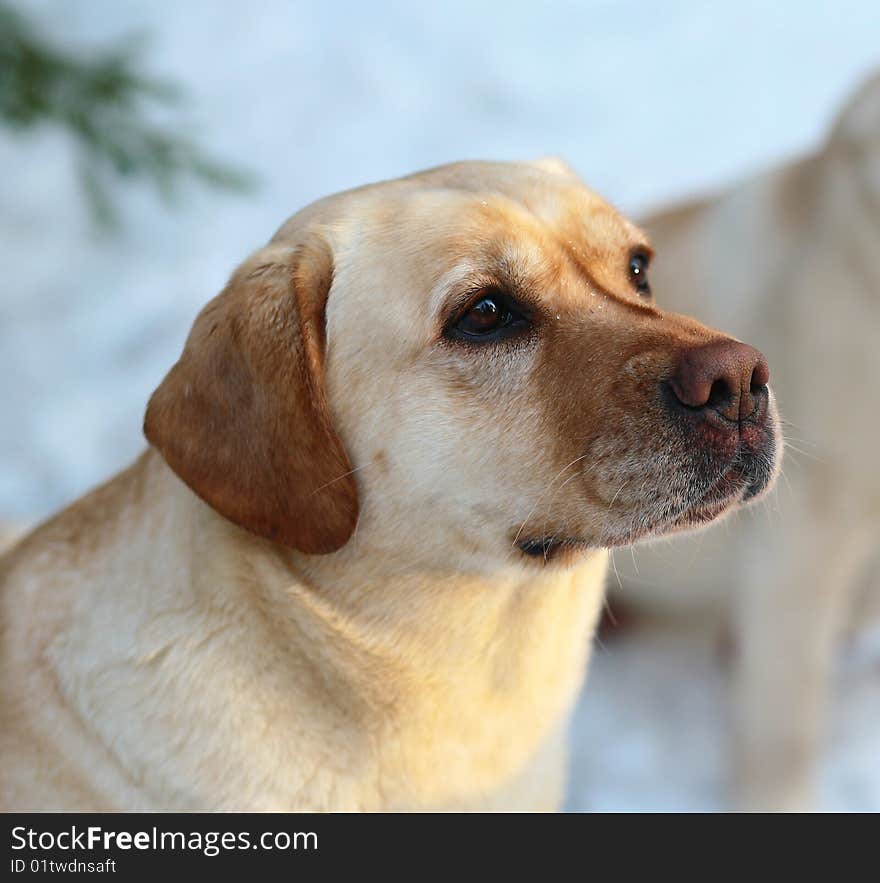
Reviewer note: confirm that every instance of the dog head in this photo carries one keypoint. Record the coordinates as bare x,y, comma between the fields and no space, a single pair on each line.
857,127
473,359
851,174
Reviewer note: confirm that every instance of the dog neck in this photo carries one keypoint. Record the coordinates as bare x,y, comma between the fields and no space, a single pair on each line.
449,683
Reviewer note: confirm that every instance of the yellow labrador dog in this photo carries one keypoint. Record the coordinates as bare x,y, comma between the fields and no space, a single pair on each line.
789,260
361,562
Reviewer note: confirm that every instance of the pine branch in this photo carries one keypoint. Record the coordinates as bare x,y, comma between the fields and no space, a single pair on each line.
100,101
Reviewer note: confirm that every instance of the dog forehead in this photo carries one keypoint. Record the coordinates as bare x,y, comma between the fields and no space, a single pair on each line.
409,232
507,192
492,196
494,211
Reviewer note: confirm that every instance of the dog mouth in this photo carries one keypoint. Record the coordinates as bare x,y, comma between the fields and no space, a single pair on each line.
724,496
746,477
555,548
734,487
743,479
541,547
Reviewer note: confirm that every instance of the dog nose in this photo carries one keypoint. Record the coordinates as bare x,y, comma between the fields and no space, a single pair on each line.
725,376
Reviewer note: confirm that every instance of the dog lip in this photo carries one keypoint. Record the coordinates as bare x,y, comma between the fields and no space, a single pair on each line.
547,547
757,486
714,502
702,511
746,471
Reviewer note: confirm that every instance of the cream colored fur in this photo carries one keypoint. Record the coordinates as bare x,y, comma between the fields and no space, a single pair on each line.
788,261
156,656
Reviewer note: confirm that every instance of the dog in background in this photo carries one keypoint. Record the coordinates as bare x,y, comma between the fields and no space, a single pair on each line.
360,564
788,260
9,533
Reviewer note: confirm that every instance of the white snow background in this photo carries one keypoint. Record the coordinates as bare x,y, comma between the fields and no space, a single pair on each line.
648,101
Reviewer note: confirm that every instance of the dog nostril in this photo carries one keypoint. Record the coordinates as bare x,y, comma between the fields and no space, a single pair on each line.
760,376
719,394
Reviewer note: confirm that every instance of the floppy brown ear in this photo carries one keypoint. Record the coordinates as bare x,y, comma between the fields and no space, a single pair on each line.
243,418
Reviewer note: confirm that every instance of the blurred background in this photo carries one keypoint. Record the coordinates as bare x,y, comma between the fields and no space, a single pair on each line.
109,250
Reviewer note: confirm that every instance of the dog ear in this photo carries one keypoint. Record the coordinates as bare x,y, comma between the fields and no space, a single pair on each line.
858,123
243,419
554,165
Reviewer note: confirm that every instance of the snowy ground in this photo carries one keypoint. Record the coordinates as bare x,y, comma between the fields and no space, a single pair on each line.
648,101
653,725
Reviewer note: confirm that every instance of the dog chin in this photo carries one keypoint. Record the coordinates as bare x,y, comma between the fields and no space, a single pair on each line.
741,484
567,550
738,487
701,515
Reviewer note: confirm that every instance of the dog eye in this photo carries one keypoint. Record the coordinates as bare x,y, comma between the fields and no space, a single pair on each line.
484,317
488,316
638,271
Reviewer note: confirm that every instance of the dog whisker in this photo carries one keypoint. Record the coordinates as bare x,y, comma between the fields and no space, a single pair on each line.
790,447
340,477
544,493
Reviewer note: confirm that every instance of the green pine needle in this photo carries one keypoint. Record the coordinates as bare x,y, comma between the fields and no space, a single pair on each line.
100,101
